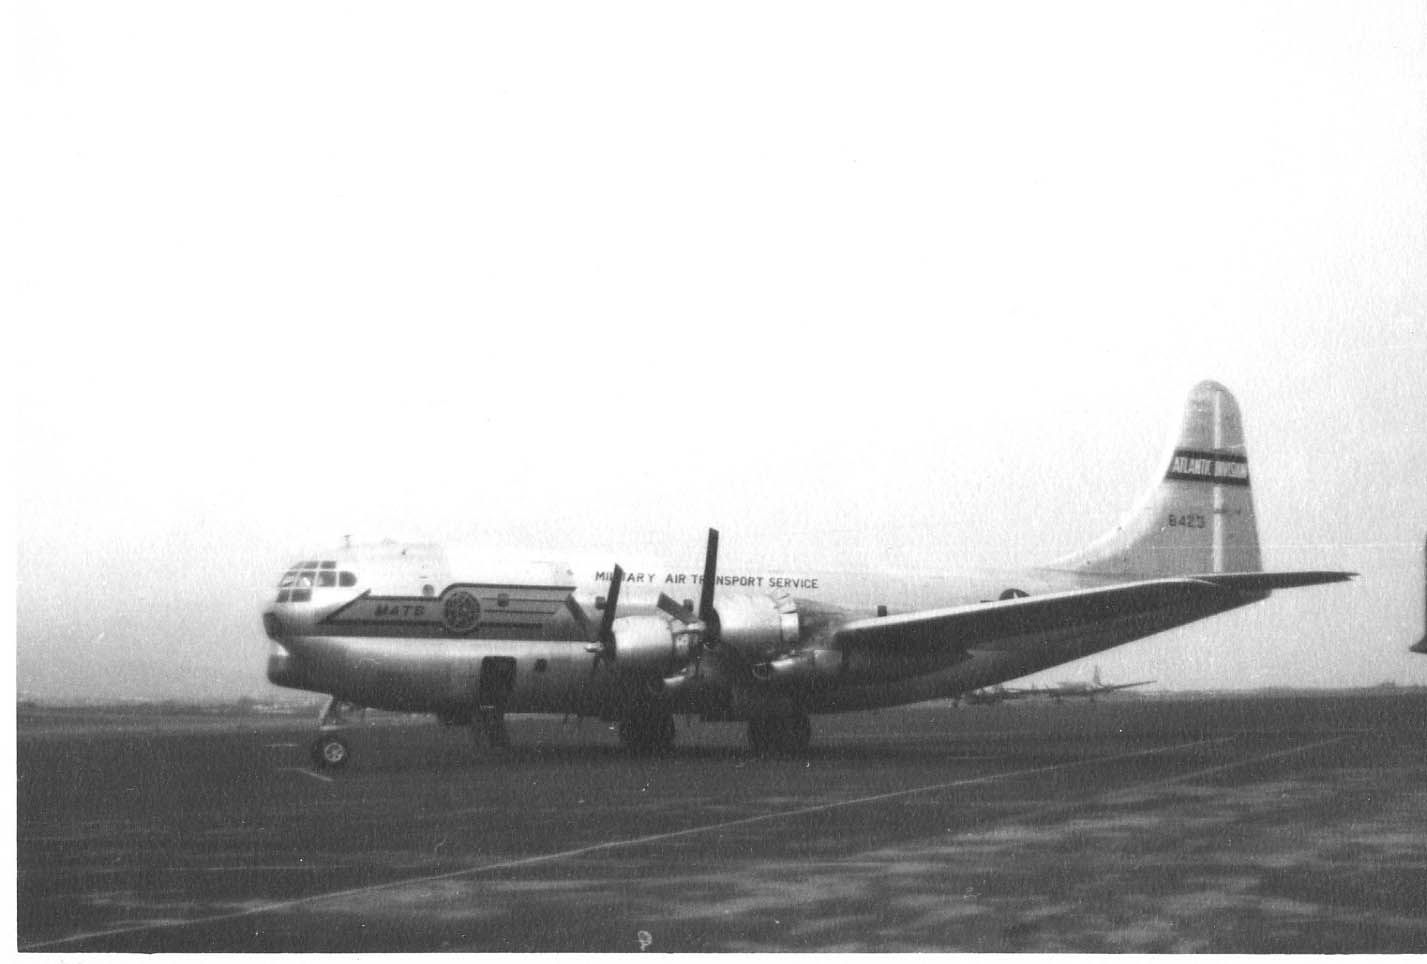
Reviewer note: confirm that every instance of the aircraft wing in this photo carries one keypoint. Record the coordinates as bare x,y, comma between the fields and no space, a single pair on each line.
984,625
1122,686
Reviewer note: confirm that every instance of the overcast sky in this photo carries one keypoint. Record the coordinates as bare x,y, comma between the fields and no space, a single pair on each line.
863,285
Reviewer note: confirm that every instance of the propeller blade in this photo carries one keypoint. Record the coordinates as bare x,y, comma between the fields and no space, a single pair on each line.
603,647
679,611
706,592
606,635
707,614
577,613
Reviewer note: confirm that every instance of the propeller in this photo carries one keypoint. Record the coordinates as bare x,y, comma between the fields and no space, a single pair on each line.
703,623
603,646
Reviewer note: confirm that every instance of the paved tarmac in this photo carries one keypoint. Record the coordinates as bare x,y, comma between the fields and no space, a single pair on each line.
1286,824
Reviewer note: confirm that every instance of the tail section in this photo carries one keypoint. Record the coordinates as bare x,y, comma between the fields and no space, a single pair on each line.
1199,517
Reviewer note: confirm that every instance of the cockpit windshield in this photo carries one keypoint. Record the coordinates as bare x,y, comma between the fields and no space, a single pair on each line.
297,583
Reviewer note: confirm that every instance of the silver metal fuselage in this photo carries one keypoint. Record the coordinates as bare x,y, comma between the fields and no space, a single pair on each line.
387,642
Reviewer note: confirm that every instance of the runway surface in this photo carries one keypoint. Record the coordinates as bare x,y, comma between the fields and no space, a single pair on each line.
1286,824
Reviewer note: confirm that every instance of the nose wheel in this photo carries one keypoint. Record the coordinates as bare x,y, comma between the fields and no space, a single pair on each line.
330,752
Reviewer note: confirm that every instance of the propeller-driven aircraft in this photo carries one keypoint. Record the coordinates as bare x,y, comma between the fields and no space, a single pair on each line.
470,636
1088,691
1061,691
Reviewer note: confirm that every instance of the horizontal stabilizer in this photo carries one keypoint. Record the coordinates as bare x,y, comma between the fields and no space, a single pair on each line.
1265,581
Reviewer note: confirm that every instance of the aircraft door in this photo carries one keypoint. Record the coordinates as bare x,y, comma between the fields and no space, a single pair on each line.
492,693
497,680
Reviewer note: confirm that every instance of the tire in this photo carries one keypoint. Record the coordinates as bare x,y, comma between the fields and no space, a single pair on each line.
330,752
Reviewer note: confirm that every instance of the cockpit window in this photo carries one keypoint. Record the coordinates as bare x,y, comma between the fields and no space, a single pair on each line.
297,583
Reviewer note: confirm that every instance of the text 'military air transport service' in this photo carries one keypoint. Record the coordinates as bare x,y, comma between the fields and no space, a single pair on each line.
470,636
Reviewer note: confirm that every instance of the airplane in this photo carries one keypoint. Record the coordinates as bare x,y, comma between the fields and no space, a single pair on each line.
1073,690
1062,691
470,636
992,695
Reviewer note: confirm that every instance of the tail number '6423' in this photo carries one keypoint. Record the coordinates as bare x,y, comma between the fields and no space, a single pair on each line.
1187,521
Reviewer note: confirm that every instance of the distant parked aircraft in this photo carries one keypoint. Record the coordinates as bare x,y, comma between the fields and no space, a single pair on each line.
1062,691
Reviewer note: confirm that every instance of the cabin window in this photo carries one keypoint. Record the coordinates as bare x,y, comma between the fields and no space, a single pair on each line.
346,579
326,578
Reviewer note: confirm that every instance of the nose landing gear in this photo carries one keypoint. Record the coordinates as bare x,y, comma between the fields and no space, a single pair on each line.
330,750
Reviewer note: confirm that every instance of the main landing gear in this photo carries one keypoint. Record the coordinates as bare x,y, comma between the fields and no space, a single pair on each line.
782,735
330,750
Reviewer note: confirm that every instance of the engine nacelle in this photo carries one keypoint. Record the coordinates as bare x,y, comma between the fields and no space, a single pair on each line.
808,666
650,644
758,625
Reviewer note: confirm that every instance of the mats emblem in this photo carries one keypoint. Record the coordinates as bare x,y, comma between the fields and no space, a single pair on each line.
461,612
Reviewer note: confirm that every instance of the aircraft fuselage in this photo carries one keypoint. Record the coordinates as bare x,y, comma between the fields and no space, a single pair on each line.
396,639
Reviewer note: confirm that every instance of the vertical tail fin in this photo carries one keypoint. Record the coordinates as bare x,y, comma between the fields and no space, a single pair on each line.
1199,517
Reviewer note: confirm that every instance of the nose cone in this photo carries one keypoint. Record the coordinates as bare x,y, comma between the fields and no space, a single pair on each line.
284,667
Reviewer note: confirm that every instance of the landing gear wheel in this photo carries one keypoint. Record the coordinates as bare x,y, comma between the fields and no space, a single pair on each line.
648,733
779,735
330,752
